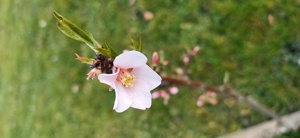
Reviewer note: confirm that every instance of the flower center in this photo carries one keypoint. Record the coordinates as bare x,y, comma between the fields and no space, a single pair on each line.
126,78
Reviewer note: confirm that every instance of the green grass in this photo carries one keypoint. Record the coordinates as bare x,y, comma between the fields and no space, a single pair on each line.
290,134
44,93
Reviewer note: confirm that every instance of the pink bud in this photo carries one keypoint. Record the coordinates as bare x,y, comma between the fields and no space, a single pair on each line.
155,58
155,94
166,99
213,101
173,90
195,50
163,93
93,73
186,60
200,101
166,62
211,94
148,15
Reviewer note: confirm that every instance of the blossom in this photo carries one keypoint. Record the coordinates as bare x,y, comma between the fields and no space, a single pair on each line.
132,80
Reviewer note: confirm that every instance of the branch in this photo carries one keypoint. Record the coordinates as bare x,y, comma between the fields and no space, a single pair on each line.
223,89
197,84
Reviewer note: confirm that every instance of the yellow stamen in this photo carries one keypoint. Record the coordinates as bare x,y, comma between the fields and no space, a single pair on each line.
126,78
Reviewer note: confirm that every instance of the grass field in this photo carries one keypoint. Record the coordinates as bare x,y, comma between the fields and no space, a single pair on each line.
44,93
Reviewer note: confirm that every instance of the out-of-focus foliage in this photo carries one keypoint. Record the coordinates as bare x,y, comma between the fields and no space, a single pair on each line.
44,93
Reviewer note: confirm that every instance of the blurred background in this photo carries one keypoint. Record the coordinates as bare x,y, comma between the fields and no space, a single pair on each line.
44,92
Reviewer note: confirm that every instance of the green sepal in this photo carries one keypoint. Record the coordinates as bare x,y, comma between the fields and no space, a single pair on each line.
73,31
111,52
136,44
107,51
103,51
85,60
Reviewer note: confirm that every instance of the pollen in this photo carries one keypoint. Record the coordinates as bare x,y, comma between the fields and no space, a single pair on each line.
126,78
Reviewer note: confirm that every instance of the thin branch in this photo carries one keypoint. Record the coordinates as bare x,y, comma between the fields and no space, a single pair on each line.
223,89
198,84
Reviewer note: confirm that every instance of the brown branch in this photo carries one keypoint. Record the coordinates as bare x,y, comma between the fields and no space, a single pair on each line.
223,89
199,84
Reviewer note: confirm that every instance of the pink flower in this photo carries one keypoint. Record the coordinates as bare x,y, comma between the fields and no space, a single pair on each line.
132,80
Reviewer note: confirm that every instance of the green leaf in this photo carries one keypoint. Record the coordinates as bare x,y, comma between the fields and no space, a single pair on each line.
73,31
103,51
107,51
137,44
112,53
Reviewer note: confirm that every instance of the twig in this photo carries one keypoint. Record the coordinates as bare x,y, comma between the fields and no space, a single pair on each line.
198,84
223,89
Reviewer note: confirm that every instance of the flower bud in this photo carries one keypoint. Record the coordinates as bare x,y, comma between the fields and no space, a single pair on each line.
165,63
213,101
211,94
195,50
173,90
155,94
164,93
155,58
200,101
186,60
93,73
166,99
148,15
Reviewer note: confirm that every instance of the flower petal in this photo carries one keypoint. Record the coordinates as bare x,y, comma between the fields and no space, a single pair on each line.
142,97
130,59
142,100
109,79
146,74
124,98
